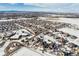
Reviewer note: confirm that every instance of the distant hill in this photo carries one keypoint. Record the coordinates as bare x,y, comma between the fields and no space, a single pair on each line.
30,13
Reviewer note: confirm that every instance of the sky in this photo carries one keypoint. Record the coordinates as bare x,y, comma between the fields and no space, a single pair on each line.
46,7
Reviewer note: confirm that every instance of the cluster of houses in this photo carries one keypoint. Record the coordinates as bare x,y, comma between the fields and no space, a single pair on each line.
55,43
47,39
17,34
16,38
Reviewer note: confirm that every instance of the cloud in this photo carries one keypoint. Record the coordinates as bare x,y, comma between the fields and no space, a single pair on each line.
44,5
58,7
49,7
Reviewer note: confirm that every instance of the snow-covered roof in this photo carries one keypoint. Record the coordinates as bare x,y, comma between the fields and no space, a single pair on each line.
47,38
15,36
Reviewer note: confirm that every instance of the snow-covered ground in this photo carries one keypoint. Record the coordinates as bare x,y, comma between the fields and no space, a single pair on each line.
26,52
2,48
69,20
76,42
4,20
66,20
70,31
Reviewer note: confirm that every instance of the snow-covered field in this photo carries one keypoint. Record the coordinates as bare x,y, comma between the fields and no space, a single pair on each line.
69,20
26,52
70,31
66,20
2,48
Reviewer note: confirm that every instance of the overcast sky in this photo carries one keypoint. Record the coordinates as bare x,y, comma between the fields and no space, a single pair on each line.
47,7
